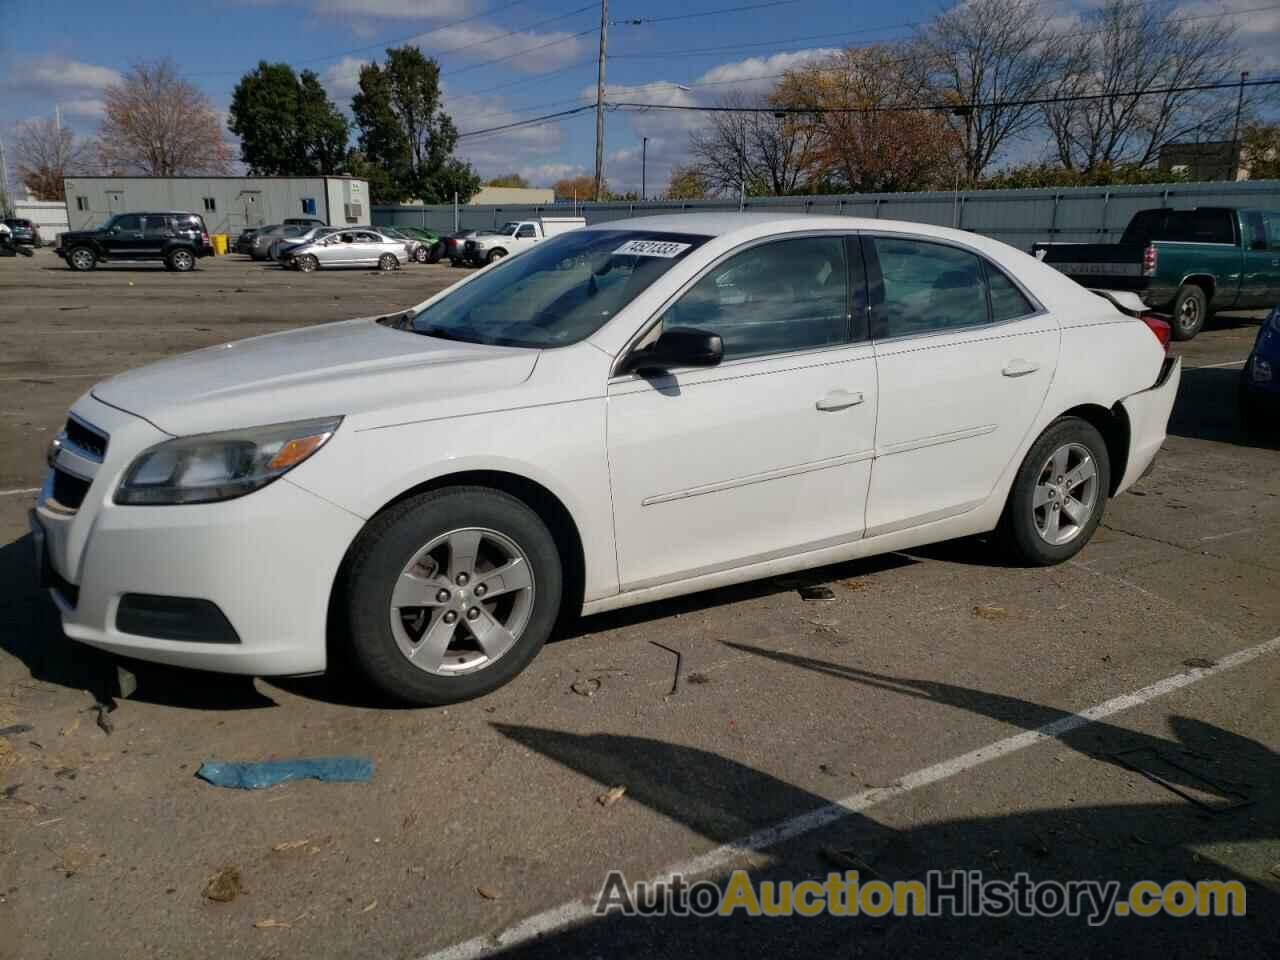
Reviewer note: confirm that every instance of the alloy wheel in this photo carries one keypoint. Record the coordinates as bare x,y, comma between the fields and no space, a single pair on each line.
462,601
1066,494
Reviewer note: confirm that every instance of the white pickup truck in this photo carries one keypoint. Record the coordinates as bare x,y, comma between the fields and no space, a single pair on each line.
515,236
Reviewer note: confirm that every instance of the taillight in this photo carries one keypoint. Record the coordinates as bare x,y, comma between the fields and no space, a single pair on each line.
204,238
1149,261
1161,328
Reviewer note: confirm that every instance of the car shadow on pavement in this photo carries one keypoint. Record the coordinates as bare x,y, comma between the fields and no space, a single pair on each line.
1208,408
723,801
31,631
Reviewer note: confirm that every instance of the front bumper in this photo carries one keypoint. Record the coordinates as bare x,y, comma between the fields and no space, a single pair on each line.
267,561
1148,413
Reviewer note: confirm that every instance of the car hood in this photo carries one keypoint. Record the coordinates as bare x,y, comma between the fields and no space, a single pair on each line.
355,368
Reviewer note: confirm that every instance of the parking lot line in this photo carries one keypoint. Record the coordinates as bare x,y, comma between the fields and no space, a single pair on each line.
14,493
575,911
1215,366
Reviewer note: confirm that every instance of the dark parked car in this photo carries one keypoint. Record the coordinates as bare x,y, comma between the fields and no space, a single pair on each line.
308,222
1260,378
24,232
177,239
455,245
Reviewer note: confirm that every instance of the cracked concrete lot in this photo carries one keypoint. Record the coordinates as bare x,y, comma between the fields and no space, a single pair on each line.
943,711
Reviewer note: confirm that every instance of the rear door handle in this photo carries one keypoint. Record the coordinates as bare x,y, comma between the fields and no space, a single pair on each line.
839,400
1020,368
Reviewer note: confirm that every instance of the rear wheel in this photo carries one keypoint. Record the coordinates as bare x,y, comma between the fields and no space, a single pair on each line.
1190,309
420,254
451,594
387,262
181,261
82,258
436,252
1058,494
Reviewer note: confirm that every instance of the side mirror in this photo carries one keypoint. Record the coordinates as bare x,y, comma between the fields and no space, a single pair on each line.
677,347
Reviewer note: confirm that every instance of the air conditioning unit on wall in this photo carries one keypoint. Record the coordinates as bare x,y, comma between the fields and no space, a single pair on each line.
354,212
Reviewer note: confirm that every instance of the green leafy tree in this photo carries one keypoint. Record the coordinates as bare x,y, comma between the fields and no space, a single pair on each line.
286,123
404,130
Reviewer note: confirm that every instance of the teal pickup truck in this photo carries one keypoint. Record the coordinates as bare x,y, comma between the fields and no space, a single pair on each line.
1187,263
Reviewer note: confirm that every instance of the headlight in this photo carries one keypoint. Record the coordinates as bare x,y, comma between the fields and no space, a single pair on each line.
1274,322
220,466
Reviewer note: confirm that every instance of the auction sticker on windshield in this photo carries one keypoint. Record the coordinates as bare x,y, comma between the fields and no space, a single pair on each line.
652,248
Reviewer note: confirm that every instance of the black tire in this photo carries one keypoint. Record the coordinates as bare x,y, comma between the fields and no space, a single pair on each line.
453,262
181,260
420,254
81,258
1190,310
307,263
1018,529
391,540
495,255
436,252
387,262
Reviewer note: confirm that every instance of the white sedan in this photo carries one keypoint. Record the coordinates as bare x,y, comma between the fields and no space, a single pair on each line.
626,412
361,247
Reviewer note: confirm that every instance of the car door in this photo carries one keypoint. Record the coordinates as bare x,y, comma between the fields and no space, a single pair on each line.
1260,276
367,248
157,230
1271,219
964,359
124,239
768,453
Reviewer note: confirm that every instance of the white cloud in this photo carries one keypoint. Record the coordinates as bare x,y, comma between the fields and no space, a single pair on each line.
343,77
386,9
758,74
53,75
530,52
90,107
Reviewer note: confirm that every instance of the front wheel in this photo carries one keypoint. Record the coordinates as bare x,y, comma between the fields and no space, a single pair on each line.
82,258
494,256
1190,309
452,593
306,263
1058,495
387,262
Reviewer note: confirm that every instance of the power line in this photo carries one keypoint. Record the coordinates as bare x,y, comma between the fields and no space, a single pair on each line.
511,33
533,121
638,21
951,107
518,53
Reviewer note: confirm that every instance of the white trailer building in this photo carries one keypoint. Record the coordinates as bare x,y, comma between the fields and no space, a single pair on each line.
228,204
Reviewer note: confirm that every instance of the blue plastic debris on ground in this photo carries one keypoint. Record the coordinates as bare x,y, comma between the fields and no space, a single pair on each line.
259,776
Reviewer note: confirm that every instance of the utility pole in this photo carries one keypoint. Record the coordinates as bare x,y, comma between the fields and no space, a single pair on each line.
644,159
5,209
604,38
1235,132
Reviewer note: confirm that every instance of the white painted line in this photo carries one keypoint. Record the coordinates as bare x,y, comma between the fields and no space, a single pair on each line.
13,493
1215,366
576,911
1233,533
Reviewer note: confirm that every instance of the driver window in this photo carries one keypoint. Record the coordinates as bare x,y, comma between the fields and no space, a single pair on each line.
348,238
130,221
527,232
773,298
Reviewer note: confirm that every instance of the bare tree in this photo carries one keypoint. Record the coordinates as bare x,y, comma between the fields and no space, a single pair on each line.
46,153
770,153
158,124
859,108
999,53
1128,57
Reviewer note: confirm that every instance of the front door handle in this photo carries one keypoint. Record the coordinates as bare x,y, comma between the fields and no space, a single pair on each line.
840,400
1020,368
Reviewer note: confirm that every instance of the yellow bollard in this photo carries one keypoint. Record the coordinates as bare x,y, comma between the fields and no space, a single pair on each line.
219,244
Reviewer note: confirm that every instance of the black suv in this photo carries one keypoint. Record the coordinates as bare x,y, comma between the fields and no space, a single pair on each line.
177,239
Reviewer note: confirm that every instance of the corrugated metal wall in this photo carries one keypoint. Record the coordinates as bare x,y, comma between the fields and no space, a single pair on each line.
1018,217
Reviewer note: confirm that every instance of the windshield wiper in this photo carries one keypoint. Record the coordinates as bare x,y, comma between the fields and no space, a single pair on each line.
397,321
440,333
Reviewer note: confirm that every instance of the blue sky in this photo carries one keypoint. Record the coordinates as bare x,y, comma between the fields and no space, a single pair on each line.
64,53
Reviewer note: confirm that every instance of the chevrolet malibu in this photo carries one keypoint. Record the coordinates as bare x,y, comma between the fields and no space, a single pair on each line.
623,413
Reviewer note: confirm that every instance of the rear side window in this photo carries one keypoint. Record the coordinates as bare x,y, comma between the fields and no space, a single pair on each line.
1185,226
1007,301
1255,231
1273,229
773,298
926,288
527,232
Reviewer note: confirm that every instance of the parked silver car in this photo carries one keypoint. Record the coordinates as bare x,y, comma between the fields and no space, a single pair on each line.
362,247
264,238
282,244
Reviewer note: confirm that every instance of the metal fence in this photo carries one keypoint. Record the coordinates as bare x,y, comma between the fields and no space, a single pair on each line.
1018,217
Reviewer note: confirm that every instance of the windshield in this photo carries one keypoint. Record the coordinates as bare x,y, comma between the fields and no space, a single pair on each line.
559,292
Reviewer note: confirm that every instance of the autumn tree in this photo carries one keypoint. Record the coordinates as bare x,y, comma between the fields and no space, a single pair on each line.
687,183
581,187
508,180
46,152
157,124
748,146
286,123
1260,151
861,106
1120,101
404,130
998,53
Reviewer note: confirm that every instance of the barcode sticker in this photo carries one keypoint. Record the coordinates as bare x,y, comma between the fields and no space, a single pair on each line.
651,248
